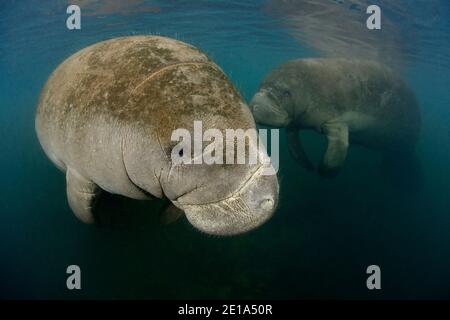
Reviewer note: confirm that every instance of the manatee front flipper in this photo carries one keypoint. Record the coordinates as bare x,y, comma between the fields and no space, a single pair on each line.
337,135
296,148
81,194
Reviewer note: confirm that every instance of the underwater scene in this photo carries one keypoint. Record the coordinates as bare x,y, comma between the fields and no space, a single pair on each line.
359,207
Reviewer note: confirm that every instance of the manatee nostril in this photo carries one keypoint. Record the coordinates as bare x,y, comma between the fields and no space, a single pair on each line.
266,204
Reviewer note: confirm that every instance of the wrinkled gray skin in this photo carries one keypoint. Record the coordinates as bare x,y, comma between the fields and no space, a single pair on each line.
106,116
349,101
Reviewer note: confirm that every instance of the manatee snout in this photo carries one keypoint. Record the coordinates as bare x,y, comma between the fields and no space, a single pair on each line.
266,110
246,209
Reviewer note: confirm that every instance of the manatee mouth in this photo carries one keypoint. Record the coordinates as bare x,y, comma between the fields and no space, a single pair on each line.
246,209
180,200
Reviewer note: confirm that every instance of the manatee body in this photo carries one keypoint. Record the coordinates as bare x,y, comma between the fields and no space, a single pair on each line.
106,116
349,101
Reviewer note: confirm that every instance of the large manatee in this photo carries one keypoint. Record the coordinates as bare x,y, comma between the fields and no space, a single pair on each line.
348,101
106,117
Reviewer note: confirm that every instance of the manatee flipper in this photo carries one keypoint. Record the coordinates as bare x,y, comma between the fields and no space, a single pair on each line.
81,195
296,148
337,135
171,214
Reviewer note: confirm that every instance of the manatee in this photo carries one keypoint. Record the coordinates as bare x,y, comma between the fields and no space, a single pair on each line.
349,101
105,118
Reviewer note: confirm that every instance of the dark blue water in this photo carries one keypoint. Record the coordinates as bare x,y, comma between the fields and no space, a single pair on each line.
325,232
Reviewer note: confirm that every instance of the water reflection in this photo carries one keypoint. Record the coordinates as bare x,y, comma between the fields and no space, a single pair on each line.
120,7
338,28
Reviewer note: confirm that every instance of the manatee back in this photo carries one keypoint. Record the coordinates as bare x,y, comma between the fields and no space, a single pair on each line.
99,80
154,84
333,87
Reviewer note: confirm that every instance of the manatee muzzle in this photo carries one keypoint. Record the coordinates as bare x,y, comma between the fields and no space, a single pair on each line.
248,208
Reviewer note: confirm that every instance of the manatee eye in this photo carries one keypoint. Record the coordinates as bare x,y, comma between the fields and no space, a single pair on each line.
286,94
180,153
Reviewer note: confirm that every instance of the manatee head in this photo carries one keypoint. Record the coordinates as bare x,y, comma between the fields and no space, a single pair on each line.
224,199
267,108
230,201
218,197
279,98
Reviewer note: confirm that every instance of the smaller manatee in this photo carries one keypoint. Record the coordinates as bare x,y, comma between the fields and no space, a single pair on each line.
349,101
